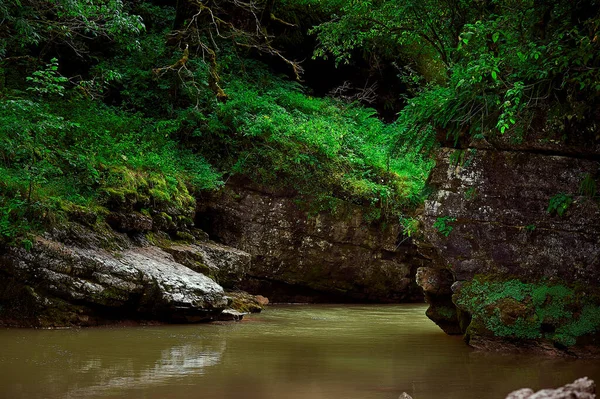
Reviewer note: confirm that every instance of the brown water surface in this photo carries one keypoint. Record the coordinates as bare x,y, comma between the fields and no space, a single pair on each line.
288,352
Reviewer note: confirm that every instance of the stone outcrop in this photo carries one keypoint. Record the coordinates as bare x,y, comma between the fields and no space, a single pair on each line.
227,266
583,388
65,281
507,267
301,257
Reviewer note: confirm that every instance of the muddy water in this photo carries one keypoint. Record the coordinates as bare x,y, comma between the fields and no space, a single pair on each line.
288,352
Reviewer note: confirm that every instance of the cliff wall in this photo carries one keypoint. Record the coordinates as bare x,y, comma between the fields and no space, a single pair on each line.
302,257
513,230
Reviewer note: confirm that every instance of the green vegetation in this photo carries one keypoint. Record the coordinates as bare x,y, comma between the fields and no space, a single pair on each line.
514,309
138,106
145,122
444,225
588,186
480,69
470,194
559,204
530,227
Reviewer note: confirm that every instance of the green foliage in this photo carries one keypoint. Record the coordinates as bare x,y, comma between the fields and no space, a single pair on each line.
559,204
424,30
328,151
74,23
164,135
410,226
444,225
470,194
48,81
530,227
515,309
59,152
504,63
10,213
588,186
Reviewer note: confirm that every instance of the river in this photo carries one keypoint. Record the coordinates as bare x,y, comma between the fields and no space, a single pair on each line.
287,352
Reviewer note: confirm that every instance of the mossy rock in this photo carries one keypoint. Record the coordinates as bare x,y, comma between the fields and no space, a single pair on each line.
244,302
514,309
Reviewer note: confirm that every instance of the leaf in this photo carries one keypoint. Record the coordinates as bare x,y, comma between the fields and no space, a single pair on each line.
494,75
495,37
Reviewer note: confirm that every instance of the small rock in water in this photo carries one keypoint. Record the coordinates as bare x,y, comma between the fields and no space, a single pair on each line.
583,388
231,315
405,396
262,301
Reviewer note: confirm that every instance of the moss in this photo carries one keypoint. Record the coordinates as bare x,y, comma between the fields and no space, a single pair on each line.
112,296
515,309
587,322
183,236
244,302
159,239
446,312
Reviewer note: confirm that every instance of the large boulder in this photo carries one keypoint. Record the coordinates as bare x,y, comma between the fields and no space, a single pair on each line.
58,284
515,233
298,256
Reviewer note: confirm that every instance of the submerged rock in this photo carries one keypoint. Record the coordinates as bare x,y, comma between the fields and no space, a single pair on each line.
57,284
303,257
583,388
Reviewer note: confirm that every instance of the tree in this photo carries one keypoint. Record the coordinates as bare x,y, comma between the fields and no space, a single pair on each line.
502,63
72,23
200,25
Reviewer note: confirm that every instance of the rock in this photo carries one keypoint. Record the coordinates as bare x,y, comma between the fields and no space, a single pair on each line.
583,388
436,285
231,315
262,301
247,303
129,222
301,257
499,237
434,281
60,285
520,394
227,266
405,396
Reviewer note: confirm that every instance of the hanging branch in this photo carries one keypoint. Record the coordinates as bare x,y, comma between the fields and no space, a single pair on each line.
243,23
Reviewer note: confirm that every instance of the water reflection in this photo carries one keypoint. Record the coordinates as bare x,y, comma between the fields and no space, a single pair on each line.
174,362
308,352
100,362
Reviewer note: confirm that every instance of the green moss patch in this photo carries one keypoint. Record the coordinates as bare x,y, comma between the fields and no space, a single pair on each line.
515,309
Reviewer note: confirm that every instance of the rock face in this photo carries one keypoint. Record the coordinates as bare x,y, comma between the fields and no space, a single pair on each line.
583,388
513,231
58,284
298,257
227,266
